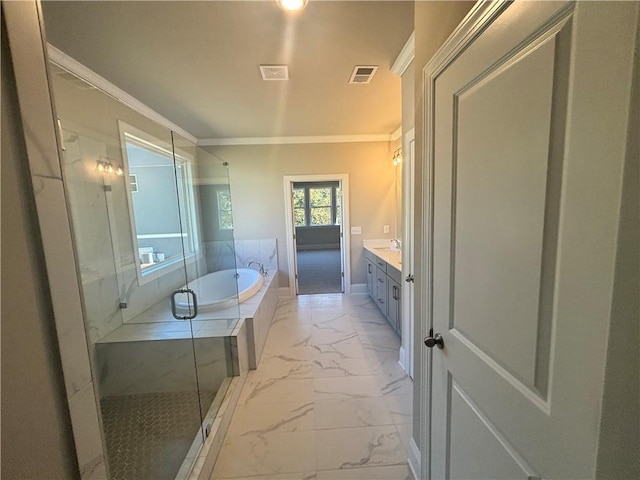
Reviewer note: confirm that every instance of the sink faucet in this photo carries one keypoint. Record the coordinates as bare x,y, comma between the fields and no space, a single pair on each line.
263,271
396,244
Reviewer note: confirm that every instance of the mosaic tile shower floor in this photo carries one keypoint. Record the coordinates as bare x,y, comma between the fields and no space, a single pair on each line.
148,435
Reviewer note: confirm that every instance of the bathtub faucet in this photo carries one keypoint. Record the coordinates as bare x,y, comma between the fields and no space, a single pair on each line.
263,271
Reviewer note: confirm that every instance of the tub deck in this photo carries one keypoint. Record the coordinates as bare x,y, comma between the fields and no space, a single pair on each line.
157,323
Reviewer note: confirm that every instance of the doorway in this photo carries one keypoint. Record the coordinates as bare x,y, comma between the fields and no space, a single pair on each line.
316,226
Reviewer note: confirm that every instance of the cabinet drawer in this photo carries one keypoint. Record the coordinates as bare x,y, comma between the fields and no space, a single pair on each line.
395,274
382,265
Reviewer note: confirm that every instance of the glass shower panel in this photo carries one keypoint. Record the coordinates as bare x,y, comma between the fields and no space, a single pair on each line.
210,266
115,161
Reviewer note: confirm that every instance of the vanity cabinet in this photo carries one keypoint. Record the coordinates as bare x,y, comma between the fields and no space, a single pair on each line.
383,286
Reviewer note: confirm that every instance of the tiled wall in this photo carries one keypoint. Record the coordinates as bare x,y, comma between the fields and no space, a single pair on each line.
224,255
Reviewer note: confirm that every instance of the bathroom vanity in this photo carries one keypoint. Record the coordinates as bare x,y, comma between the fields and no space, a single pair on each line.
384,277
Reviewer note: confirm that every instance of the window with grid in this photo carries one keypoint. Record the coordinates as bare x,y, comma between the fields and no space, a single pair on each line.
317,204
225,217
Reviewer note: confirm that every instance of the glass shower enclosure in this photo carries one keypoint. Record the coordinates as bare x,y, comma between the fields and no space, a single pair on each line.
151,215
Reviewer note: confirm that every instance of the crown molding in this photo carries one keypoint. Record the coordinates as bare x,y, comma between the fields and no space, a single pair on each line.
405,57
396,134
76,68
209,142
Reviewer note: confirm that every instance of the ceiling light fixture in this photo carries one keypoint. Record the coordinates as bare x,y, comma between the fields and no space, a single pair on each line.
292,5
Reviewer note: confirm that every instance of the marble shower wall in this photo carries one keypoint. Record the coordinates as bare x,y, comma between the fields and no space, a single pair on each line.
224,255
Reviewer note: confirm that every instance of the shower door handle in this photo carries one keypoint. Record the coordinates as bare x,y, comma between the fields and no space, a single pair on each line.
193,310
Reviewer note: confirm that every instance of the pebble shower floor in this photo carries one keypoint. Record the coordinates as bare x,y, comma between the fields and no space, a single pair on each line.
148,435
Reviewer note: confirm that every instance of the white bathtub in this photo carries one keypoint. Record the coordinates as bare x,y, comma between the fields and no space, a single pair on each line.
218,290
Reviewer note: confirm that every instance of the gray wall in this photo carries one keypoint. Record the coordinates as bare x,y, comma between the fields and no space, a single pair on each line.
434,22
36,431
257,190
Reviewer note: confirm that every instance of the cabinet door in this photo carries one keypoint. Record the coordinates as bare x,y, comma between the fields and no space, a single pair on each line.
381,291
370,278
392,310
394,317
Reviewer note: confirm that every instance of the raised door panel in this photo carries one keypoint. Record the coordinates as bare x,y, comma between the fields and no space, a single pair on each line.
500,196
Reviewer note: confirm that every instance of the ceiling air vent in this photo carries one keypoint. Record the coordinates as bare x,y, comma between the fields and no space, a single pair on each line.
363,73
274,72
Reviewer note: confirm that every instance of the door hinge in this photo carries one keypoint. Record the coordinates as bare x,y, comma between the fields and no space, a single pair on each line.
341,235
63,147
294,237
342,274
107,188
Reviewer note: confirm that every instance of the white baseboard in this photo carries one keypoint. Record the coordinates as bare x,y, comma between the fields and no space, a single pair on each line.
358,288
284,292
402,359
414,459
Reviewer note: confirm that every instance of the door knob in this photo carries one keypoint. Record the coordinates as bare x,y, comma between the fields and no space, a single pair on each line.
409,278
433,341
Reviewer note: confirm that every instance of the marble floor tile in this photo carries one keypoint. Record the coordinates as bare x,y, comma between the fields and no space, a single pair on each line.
345,367
301,348
268,454
395,472
400,407
320,338
283,340
280,366
328,400
351,412
284,328
347,348
395,385
264,418
359,447
321,315
346,387
338,325
279,476
276,390
405,431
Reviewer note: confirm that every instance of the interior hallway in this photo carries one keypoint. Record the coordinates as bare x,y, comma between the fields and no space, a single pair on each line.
328,401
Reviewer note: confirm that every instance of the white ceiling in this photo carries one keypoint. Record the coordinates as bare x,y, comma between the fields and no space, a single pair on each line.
197,63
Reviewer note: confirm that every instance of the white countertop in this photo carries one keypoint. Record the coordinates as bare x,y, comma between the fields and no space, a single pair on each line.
383,250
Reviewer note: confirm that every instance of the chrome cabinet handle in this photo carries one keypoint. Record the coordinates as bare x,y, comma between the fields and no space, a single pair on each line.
174,311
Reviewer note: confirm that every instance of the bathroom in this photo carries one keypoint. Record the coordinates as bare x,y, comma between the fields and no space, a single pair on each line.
524,351
135,245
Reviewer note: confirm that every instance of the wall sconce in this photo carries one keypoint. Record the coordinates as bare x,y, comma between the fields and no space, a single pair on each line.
105,166
397,157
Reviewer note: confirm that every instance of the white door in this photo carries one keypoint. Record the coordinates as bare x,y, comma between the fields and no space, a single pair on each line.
526,135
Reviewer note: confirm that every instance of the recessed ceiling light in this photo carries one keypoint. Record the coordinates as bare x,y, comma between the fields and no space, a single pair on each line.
292,5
